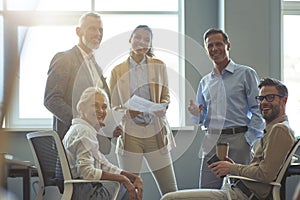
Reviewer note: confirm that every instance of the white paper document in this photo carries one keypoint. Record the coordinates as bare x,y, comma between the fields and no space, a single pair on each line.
111,121
144,105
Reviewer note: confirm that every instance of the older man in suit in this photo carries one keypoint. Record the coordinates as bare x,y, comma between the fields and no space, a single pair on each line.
71,72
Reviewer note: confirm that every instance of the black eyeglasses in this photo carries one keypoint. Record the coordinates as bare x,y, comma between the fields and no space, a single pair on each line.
268,97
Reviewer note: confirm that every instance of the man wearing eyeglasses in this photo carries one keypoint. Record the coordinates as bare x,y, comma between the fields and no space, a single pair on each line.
269,153
226,107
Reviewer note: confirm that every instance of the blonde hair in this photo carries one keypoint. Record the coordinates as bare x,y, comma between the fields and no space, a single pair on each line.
88,94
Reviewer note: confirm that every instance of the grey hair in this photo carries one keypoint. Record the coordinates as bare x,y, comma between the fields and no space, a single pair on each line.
86,15
89,93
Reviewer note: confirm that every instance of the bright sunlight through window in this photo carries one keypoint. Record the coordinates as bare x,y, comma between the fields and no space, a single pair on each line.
39,40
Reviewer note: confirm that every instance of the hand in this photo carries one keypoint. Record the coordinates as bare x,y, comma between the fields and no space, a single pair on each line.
101,124
221,168
133,183
229,160
132,113
138,183
194,110
130,187
118,131
160,113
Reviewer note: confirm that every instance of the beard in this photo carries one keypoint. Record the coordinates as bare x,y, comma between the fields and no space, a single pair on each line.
89,44
273,115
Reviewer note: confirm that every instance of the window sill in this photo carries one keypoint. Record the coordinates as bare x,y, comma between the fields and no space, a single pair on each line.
10,130
17,130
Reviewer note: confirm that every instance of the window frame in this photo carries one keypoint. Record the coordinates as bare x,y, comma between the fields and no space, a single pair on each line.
289,8
13,19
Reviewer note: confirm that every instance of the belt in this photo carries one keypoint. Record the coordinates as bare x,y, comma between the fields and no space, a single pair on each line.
239,184
240,129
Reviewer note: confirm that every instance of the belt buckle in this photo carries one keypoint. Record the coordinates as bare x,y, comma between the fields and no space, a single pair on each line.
233,130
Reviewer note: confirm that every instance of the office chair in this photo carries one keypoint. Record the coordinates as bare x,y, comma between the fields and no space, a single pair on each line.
49,157
278,185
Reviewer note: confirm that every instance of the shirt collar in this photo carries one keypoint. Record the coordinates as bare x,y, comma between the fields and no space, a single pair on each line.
280,119
134,64
229,68
82,121
84,54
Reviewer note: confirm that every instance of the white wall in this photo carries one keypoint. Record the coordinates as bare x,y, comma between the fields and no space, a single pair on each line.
254,29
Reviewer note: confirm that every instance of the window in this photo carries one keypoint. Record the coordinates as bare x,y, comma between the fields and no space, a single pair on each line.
41,34
49,5
291,58
1,67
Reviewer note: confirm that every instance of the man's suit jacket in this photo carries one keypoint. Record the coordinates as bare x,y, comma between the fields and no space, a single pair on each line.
68,77
159,92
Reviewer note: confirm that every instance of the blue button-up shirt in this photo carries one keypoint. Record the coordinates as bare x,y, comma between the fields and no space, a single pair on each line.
229,101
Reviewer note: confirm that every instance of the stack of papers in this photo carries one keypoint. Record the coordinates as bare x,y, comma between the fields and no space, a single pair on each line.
111,121
144,105
114,117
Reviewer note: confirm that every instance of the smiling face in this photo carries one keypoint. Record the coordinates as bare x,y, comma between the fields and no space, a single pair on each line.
271,110
90,33
94,110
140,42
217,50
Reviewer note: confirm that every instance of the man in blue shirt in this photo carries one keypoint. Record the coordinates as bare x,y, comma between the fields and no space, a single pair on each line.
226,107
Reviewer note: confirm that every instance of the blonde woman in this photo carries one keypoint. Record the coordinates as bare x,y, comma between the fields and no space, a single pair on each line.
82,149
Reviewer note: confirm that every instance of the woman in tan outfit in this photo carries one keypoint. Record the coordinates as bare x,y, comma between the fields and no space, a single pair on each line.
146,134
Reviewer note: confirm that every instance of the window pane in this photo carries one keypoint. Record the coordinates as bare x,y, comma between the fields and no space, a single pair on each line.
49,5
1,66
33,63
292,68
51,39
38,45
136,5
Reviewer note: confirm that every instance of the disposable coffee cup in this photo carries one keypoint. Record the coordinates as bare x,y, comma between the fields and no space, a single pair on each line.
222,150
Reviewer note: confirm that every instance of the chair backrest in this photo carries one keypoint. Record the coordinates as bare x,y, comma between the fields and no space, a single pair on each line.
50,158
281,177
287,161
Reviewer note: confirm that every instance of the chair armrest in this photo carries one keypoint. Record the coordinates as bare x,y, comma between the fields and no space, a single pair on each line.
250,179
89,181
